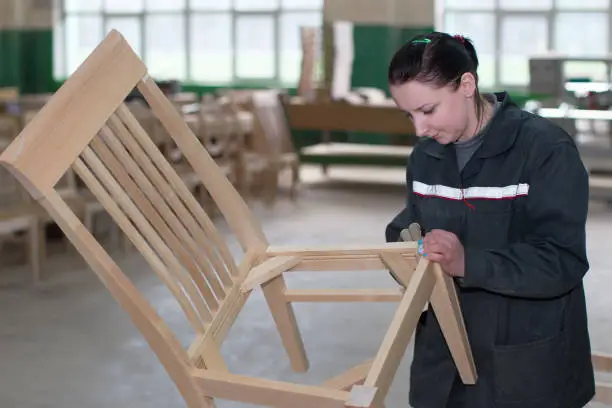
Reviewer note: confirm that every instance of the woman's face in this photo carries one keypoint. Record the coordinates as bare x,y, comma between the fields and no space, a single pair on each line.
445,114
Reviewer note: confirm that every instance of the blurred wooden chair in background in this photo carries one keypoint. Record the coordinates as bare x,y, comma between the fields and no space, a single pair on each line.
270,147
20,222
272,139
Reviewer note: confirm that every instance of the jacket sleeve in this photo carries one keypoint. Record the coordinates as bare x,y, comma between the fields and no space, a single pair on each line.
408,214
551,259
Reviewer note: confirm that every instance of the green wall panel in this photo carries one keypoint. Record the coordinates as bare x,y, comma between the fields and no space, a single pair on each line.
374,48
37,51
10,55
27,60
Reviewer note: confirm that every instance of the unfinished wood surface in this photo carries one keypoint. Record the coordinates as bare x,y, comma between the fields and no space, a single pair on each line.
272,140
19,215
307,83
353,376
286,323
344,117
603,392
95,87
235,209
446,306
398,336
268,392
602,364
87,128
397,265
400,269
343,295
227,313
269,270
348,258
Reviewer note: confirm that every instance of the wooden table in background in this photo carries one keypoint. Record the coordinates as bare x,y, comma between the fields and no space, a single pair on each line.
343,117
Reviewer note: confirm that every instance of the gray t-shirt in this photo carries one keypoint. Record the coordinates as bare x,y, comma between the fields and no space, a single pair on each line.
465,149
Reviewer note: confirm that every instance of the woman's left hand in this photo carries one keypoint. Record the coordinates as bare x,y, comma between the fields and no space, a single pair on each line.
445,248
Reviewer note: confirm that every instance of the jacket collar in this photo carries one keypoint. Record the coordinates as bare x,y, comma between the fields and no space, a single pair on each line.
499,137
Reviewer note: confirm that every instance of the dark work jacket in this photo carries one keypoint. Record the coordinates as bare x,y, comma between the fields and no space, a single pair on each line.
519,208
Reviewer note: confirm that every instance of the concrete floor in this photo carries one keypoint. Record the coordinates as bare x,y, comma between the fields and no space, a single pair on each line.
69,345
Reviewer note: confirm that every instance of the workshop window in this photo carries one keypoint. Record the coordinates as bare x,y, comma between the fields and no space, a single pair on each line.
216,42
480,27
211,52
521,36
507,32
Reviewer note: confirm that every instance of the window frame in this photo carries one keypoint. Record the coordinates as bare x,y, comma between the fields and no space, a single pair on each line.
500,13
62,56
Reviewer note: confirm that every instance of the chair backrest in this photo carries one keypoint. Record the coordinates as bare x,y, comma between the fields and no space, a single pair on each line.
271,122
310,38
87,126
12,195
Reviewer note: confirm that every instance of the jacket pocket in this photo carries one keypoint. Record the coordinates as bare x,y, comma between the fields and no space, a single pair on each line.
529,375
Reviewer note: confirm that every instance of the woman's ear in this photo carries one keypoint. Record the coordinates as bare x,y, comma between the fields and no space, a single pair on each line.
467,85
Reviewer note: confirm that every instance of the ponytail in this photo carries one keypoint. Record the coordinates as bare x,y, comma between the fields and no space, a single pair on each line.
469,47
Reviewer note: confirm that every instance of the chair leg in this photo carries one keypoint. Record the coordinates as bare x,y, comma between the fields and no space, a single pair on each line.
211,359
41,226
286,323
295,180
35,250
270,185
241,176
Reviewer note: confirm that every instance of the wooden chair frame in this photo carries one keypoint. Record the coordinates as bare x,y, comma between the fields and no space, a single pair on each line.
87,126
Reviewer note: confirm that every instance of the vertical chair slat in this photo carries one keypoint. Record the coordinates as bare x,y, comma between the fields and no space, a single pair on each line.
235,210
160,229
175,181
172,230
122,143
139,242
106,178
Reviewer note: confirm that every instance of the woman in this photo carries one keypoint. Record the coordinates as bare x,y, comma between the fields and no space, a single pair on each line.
501,196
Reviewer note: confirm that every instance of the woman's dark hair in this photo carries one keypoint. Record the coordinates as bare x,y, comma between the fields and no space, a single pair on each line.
436,58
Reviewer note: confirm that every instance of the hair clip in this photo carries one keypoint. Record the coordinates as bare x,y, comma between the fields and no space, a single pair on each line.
460,38
421,41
